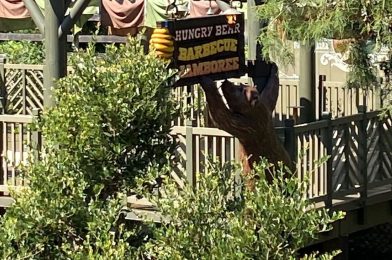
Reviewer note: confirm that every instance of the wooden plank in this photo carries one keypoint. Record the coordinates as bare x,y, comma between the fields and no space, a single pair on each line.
6,202
204,131
4,154
20,37
70,38
35,67
13,152
196,153
302,128
22,158
24,119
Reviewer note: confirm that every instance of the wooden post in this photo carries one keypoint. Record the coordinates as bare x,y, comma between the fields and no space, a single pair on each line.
189,143
363,165
36,14
3,86
55,48
377,98
258,69
327,140
238,177
306,83
55,26
253,29
321,95
290,143
2,104
36,141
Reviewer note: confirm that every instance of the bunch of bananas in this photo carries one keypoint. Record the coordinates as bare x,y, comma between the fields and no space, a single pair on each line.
162,42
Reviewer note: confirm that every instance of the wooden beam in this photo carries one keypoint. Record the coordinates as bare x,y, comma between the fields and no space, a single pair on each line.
20,37
55,48
102,38
70,38
36,14
6,202
73,16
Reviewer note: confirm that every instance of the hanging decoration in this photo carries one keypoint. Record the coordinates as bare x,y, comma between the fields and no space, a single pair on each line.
162,42
14,16
122,18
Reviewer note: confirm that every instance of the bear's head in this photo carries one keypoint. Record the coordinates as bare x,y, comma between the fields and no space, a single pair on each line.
241,99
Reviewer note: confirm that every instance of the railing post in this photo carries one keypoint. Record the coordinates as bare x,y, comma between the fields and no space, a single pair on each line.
36,142
289,139
327,140
2,107
3,90
238,178
189,143
362,154
321,97
377,97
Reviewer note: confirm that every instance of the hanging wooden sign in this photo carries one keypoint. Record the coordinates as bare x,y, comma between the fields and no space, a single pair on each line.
210,46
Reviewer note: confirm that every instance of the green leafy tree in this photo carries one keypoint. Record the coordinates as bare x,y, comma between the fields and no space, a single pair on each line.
23,52
218,221
110,125
366,24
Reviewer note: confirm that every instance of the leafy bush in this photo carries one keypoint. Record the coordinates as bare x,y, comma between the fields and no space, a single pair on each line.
109,126
218,222
23,52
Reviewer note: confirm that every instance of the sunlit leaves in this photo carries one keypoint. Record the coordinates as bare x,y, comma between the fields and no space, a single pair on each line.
110,124
222,219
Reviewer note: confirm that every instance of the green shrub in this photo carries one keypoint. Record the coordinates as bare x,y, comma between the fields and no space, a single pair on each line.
109,126
217,222
23,52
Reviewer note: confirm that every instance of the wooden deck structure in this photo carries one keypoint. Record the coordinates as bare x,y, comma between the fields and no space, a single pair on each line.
356,178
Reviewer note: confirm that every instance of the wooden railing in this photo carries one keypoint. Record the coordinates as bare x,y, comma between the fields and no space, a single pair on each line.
341,101
197,147
358,146
17,141
338,157
21,90
357,152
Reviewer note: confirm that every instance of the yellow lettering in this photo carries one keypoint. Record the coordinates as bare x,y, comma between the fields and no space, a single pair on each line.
206,50
233,45
220,45
213,48
198,50
182,54
227,44
190,55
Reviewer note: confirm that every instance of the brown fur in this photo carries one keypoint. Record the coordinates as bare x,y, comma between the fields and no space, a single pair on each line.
248,119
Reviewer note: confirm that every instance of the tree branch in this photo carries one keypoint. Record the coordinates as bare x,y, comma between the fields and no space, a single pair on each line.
36,14
73,16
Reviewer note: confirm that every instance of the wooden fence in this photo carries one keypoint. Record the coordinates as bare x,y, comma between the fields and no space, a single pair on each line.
16,143
22,91
339,157
357,149
358,145
360,151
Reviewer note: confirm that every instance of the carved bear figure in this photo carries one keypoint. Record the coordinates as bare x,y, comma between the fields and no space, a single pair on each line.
246,117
